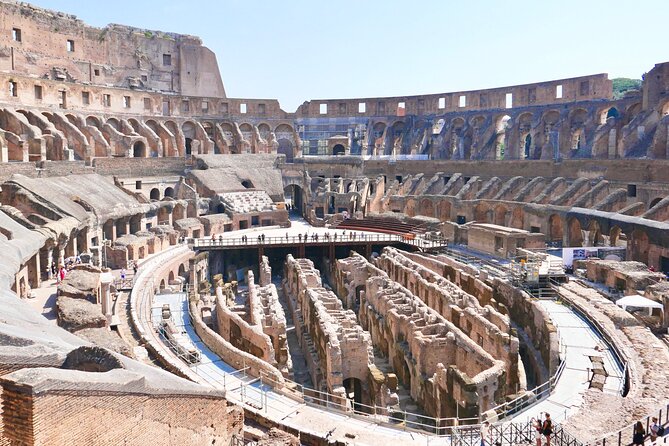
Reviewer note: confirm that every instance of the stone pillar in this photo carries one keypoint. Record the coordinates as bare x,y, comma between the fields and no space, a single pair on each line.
106,280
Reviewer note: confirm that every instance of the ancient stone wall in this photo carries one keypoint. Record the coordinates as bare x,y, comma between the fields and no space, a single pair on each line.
244,335
233,356
483,324
421,343
91,413
337,349
265,311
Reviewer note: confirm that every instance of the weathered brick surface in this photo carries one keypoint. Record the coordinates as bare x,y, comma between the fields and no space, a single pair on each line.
81,418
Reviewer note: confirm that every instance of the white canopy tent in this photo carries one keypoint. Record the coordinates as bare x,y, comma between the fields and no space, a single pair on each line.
638,301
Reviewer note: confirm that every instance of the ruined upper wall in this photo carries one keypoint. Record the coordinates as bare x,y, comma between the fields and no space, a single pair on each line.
583,88
58,46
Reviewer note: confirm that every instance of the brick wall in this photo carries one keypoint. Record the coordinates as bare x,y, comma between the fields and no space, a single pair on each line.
111,418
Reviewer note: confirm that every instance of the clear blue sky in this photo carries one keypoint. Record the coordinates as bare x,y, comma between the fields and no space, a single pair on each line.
296,50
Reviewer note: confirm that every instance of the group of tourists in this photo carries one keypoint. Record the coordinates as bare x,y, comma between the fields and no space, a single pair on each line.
541,428
655,431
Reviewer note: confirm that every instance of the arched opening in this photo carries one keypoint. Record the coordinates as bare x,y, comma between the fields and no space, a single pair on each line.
615,237
517,220
555,231
247,184
481,213
638,246
220,208
609,113
162,284
108,230
154,194
426,207
503,123
114,123
265,131
286,148
338,150
169,192
294,198
93,121
353,388
444,211
665,109
170,277
500,215
577,140
575,232
139,150
182,271
595,234
654,202
179,212
135,223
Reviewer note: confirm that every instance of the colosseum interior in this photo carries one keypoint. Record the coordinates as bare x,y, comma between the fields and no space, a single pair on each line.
182,267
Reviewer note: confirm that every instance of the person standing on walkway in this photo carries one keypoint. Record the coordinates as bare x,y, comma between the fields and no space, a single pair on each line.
122,273
654,430
486,440
547,429
639,434
536,427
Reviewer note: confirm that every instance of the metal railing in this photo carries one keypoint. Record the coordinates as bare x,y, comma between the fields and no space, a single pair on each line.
316,239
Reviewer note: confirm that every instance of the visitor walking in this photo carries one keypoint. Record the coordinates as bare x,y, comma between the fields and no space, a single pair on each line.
122,273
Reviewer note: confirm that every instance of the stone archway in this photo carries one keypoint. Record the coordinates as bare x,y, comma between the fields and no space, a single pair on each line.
575,233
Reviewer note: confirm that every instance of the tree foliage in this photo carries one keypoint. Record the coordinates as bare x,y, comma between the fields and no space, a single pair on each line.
624,84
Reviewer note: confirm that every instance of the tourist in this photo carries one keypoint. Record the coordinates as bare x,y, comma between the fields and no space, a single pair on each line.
61,274
299,237
134,268
654,430
122,273
263,238
547,429
639,434
536,428
485,434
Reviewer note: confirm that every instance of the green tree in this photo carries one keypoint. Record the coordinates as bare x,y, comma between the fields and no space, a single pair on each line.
621,85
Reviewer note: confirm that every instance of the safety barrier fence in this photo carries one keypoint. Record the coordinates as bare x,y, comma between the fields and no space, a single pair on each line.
316,239
623,437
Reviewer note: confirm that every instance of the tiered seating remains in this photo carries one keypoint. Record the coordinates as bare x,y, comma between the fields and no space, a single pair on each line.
385,225
245,202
